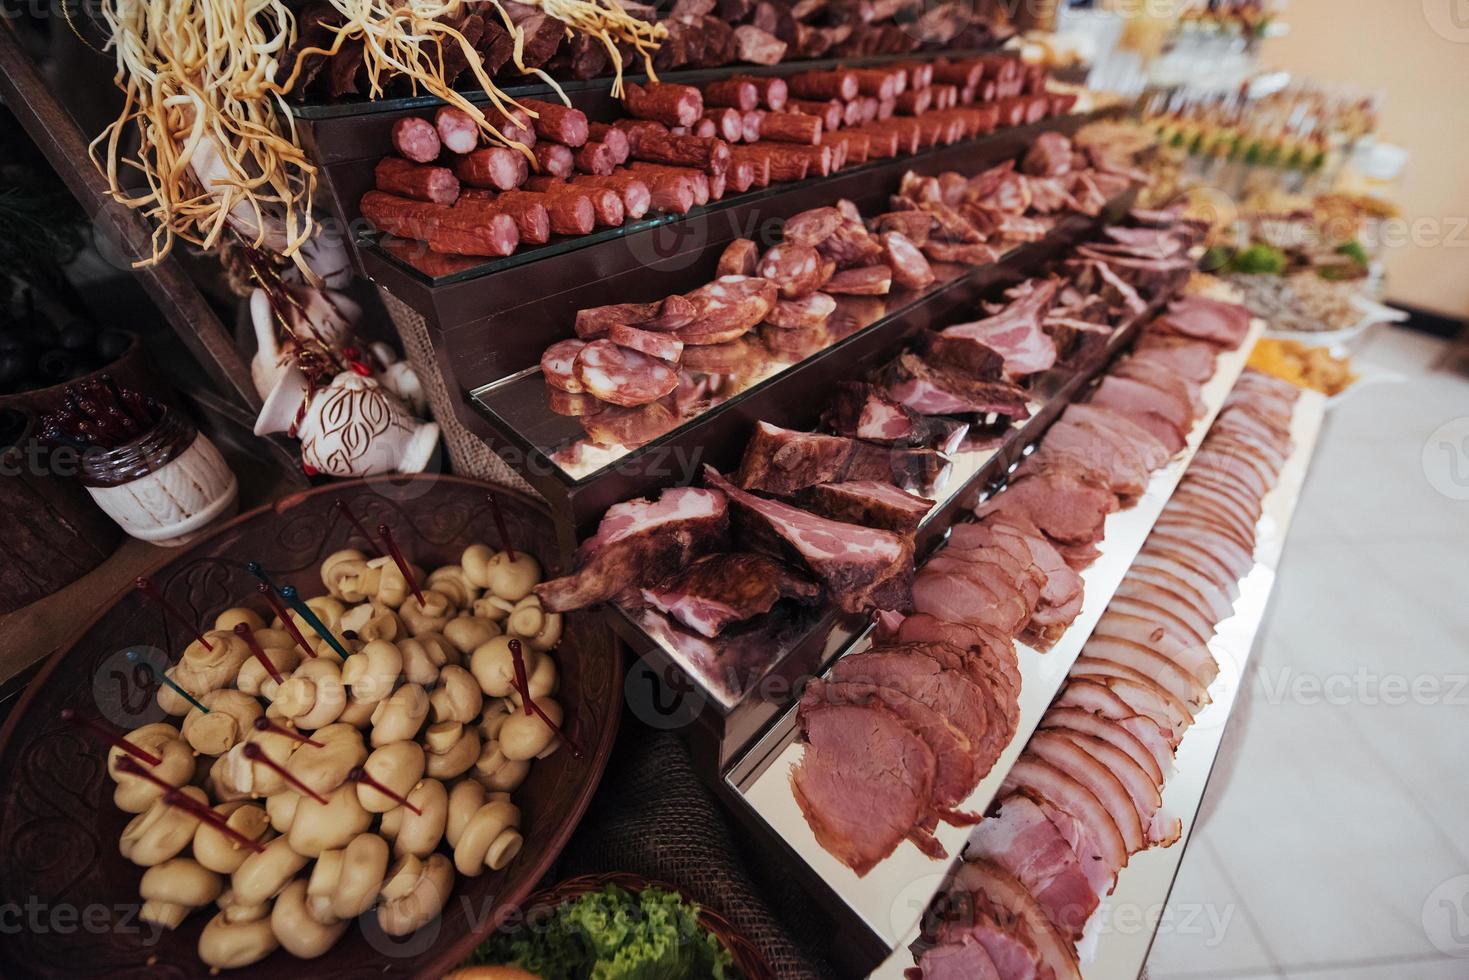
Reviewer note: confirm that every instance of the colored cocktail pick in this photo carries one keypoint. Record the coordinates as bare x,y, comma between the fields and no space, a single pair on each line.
255,753
134,657
244,632
175,796
346,511
522,684
151,591
387,535
361,775
293,599
131,748
500,526
279,608
264,724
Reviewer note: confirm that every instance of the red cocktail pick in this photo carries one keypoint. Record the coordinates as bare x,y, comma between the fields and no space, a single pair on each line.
402,563
67,714
255,753
151,591
279,608
522,684
500,526
346,511
360,775
176,797
244,632
264,724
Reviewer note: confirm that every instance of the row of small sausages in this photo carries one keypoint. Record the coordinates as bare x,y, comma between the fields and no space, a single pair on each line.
681,147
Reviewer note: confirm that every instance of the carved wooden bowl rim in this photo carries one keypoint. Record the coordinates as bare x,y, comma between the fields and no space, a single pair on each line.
567,786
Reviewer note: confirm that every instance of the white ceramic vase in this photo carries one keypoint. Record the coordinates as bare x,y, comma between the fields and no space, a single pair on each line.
352,427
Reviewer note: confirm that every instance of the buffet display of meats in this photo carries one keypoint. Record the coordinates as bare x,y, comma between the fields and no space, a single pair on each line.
701,34
1013,574
637,370
1086,793
679,146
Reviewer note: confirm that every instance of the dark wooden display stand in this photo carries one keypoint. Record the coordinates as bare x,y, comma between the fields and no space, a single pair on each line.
227,392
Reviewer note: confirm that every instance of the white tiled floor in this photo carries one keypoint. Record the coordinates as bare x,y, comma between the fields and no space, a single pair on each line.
1331,819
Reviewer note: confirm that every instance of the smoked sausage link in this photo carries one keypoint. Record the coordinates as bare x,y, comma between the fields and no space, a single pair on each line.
416,139
495,167
558,123
420,181
671,105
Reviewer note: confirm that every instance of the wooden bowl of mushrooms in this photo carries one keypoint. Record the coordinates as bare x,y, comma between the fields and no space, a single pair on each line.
338,735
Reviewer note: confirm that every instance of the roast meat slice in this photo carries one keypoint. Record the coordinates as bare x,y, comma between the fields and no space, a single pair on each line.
717,590
640,542
1024,843
864,782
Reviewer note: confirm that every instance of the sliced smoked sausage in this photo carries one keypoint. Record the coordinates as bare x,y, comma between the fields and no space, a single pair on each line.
621,376
558,364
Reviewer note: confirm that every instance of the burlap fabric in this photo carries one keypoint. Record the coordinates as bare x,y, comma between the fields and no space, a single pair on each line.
654,817
467,451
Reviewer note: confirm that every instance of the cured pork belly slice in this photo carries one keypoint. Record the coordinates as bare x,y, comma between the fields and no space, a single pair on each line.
1219,487
1096,697
640,541
1146,699
1065,509
1108,730
1166,591
784,461
717,590
870,503
1057,954
862,569
964,959
1095,664
950,692
1191,498
1217,602
1042,779
954,771
1246,470
1023,842
962,598
1160,828
1004,939
1189,524
1204,556
1182,651
1166,671
864,782
1096,777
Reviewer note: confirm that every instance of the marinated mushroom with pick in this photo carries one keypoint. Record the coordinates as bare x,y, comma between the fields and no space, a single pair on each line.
341,786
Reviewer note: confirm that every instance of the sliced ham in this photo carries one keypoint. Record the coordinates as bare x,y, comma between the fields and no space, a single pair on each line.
1042,779
1146,699
1168,670
1108,730
1152,450
1064,755
1058,956
949,692
864,782
1160,828
1162,634
1020,840
961,960
1150,408
1065,508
